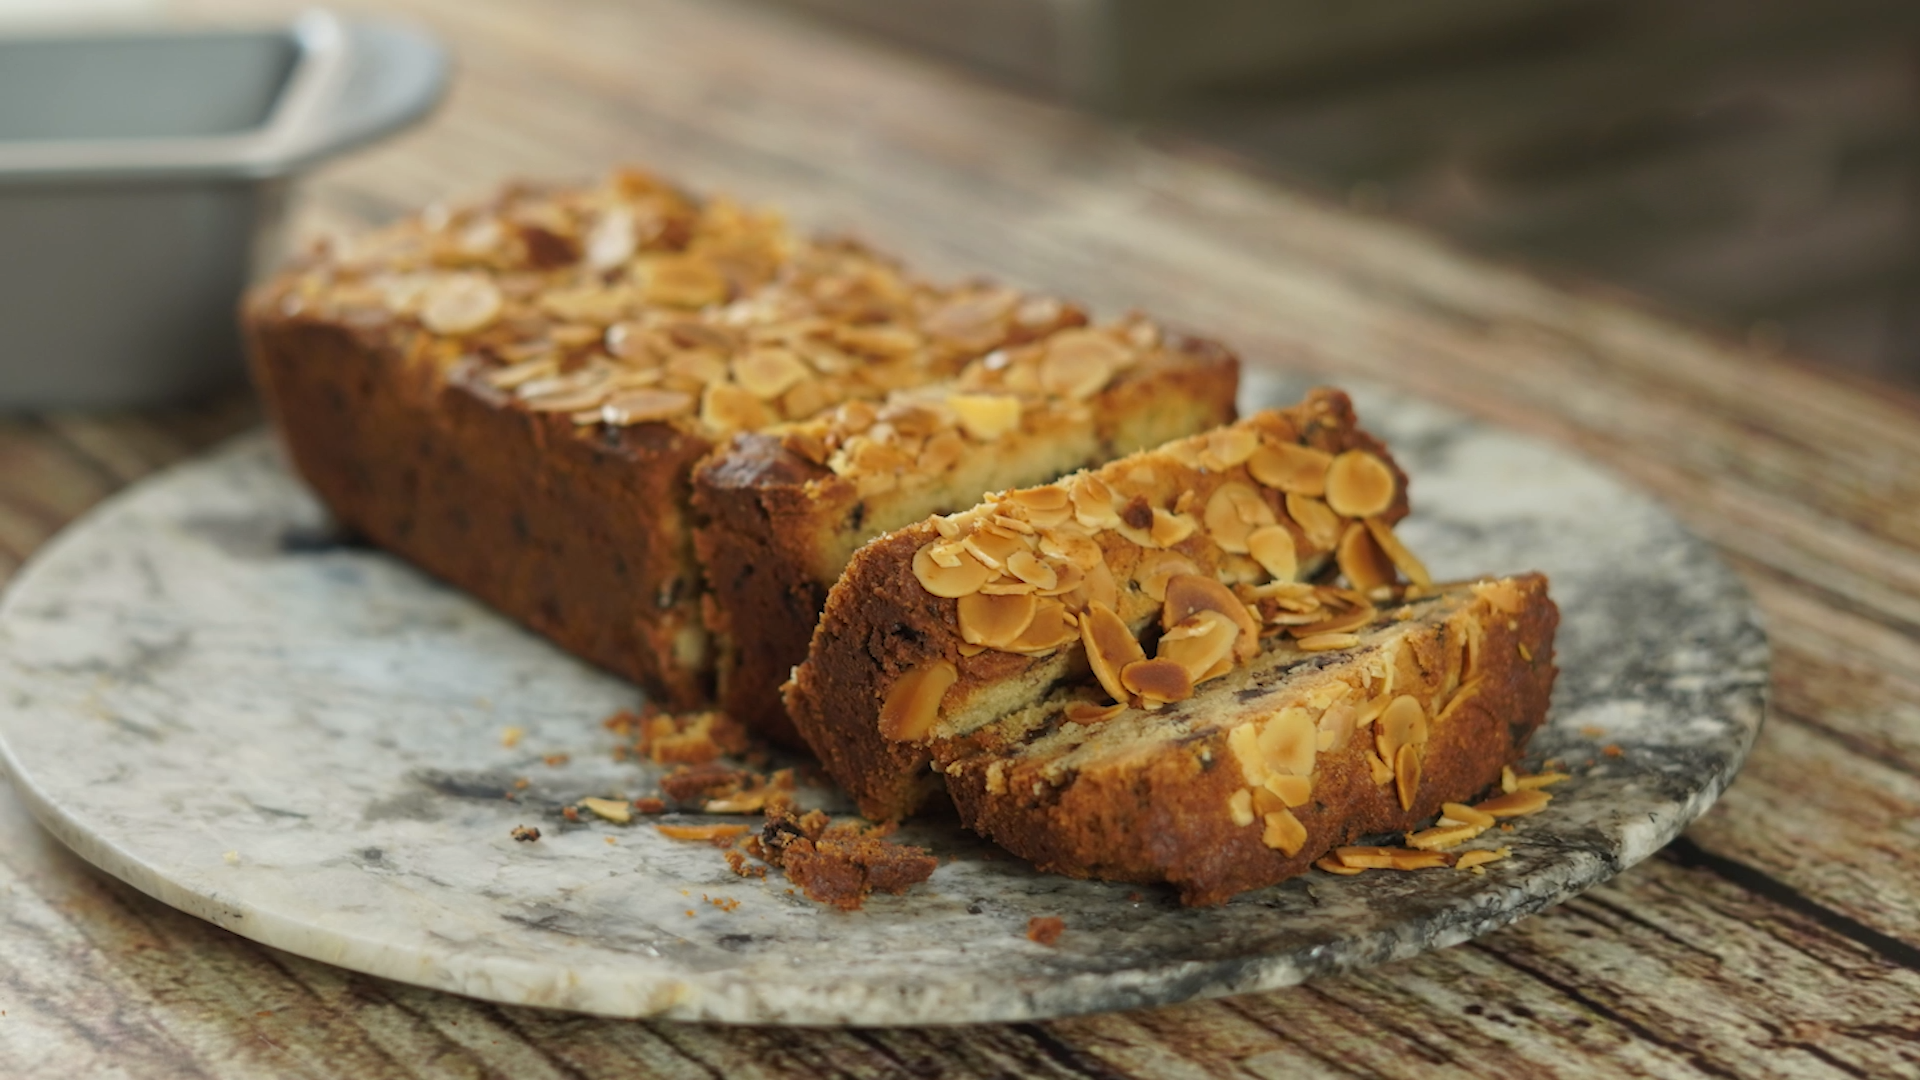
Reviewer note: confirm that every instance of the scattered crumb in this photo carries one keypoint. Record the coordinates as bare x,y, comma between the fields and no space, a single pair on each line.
1045,929
511,737
1612,750
840,864
1592,731
570,813
689,913
610,840
724,903
264,1012
687,739
737,862
232,857
650,805
521,784
557,759
614,810
526,834
1134,897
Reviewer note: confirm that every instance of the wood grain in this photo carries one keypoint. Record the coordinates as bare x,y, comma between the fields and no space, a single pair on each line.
1780,937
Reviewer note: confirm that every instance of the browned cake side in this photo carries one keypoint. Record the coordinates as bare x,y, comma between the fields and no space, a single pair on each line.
1264,771
511,394
891,666
782,511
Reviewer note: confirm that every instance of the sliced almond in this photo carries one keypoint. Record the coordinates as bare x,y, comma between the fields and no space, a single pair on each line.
949,570
1327,642
1087,712
701,832
1467,860
1366,858
1466,815
1442,837
460,304
1110,647
1202,644
1321,525
727,408
1406,774
645,406
1409,565
1293,790
1029,568
1188,593
1156,682
1169,528
1539,780
1155,568
618,811
1052,626
913,702
767,372
1291,468
1404,723
986,417
1093,503
1078,363
995,621
1333,865
682,281
1240,807
1283,832
1228,447
1361,561
1359,485
1233,512
1288,742
1273,548
1515,804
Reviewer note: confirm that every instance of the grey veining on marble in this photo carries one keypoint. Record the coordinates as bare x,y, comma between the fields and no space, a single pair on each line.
301,741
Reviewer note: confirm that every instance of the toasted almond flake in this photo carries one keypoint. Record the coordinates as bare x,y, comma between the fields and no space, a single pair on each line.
1290,468
701,832
1027,566
1284,832
995,621
1327,642
682,281
1287,742
1406,774
1087,712
510,737
1293,790
1188,593
913,702
1233,512
769,372
1359,485
1244,741
1382,773
1110,647
1509,783
612,240
1156,568
1361,561
1078,363
1333,865
516,375
949,570
1169,528
1098,588
1093,503
727,408
1228,447
1366,858
1202,643
1273,548
615,810
1473,860
1525,653
644,406
993,547
1404,859
1156,682
986,417
1240,807
1397,552
1516,804
1442,837
1458,702
1539,780
1321,526
1403,723
1466,815
460,304
1052,626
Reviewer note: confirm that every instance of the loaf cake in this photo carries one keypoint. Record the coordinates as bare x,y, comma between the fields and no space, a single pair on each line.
513,394
781,511
949,625
1269,766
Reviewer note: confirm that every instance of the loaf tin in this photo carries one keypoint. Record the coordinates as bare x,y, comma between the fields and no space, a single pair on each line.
143,177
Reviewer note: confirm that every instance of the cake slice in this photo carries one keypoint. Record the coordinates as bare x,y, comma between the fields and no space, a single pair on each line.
512,394
949,625
782,511
1304,748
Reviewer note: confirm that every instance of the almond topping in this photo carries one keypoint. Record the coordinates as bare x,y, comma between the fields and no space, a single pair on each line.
1052,626
643,406
701,832
1188,593
1406,774
1078,363
1332,865
995,621
1299,470
1404,723
986,417
1327,642
1228,447
1381,772
1409,564
1233,512
1156,568
1244,741
1202,644
617,811
1169,529
1240,807
1359,485
1321,525
1093,503
766,373
1293,790
1480,857
682,281
1516,804
1027,566
1364,565
460,304
1156,682
1087,712
1110,647
1284,833
913,702
949,570
1465,815
726,407
1272,547
1531,783
1444,836
1287,742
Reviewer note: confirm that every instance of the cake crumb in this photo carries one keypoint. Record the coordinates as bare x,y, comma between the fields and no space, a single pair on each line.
650,805
685,739
1612,750
839,864
1045,929
709,833
511,737
557,759
526,834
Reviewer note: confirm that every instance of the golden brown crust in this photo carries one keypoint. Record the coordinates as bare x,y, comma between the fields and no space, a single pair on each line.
769,517
1166,820
880,623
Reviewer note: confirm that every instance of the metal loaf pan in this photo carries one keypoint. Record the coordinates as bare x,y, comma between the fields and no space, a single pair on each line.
142,174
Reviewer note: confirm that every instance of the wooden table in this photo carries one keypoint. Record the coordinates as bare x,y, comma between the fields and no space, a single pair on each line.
1780,937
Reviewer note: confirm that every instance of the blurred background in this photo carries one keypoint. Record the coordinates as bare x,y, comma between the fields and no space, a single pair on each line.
1751,163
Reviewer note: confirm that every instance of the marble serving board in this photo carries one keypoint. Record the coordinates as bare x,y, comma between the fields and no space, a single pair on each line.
207,696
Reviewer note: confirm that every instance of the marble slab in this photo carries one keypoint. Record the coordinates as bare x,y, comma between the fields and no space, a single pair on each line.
205,694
